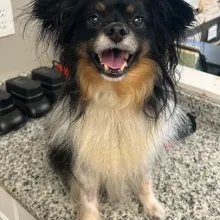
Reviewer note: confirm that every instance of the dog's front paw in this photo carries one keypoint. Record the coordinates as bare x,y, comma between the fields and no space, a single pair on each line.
89,216
154,208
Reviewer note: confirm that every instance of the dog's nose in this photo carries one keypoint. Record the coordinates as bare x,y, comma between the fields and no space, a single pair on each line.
116,32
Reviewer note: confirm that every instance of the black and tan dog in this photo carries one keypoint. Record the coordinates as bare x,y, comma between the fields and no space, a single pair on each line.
118,107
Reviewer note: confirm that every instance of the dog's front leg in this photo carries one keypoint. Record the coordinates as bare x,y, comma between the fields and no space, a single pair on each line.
147,198
88,197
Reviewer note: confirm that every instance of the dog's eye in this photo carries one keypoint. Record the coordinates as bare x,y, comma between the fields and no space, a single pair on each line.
93,20
138,21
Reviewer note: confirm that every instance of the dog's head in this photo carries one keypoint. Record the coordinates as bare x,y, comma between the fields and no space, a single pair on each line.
114,35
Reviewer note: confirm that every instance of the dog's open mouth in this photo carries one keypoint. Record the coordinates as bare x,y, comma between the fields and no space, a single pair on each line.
114,62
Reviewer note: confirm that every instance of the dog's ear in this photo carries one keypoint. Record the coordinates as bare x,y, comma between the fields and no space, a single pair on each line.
55,18
170,20
171,17
177,16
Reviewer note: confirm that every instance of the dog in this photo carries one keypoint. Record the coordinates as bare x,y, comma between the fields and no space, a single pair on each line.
118,107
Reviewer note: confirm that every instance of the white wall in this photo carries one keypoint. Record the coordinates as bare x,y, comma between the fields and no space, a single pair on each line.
18,55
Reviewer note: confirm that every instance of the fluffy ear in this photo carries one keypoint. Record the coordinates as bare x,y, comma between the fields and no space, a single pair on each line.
55,18
170,20
178,16
172,17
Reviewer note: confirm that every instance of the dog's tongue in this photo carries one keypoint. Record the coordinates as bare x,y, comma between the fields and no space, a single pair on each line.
113,59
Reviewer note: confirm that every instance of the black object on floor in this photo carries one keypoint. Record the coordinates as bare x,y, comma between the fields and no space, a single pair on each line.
28,96
51,80
11,118
189,128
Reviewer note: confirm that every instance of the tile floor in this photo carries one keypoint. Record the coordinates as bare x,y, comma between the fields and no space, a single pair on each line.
10,209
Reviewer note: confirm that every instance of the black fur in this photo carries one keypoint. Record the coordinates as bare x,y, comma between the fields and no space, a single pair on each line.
61,159
62,23
189,128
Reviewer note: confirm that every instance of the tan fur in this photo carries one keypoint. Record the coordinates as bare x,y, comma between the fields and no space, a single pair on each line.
88,196
145,48
89,78
134,88
147,198
130,8
89,215
138,84
100,6
88,208
112,142
114,139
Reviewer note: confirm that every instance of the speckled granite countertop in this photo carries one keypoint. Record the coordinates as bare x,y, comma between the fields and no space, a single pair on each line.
187,178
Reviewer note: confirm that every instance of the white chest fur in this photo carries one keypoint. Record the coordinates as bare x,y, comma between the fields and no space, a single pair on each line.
112,141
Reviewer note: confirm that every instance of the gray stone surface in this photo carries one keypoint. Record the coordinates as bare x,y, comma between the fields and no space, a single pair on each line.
205,108
187,177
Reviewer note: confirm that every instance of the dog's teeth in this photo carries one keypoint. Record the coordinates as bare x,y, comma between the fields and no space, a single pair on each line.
106,67
124,65
126,56
100,57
